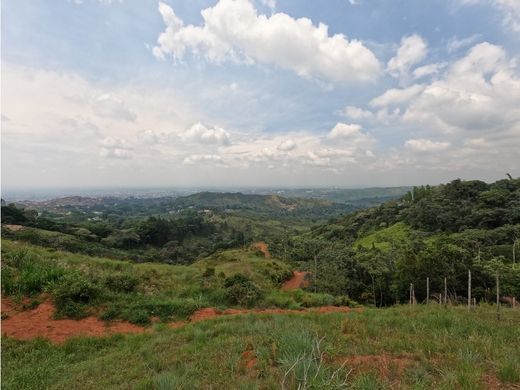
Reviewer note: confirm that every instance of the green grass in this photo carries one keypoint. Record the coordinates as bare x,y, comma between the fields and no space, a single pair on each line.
386,238
444,349
113,289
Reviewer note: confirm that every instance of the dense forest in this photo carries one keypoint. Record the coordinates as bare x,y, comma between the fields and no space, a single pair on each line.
432,232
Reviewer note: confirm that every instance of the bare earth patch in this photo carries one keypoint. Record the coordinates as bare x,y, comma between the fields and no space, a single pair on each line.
262,247
13,228
39,322
297,281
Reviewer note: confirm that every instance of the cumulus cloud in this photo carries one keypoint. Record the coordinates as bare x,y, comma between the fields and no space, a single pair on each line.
413,50
343,130
114,148
287,145
202,134
234,31
479,92
351,135
397,96
426,145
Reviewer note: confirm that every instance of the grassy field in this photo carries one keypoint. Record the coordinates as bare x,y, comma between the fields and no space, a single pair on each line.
399,347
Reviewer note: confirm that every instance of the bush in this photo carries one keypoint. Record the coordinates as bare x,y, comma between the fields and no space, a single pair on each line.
72,294
241,291
121,282
138,316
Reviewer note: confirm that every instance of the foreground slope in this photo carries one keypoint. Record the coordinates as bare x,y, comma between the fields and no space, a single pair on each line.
400,347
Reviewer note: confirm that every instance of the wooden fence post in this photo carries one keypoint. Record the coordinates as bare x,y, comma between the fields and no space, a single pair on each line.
445,291
427,290
469,290
498,298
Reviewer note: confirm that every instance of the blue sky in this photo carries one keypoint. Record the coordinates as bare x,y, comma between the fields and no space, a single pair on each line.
296,93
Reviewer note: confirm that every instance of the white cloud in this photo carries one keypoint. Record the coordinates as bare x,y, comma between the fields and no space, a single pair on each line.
397,96
114,148
356,113
479,92
343,130
413,50
234,31
204,158
428,70
269,3
426,145
287,145
455,43
200,133
350,137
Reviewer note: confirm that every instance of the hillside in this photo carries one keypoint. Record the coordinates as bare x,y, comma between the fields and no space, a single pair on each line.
374,255
271,206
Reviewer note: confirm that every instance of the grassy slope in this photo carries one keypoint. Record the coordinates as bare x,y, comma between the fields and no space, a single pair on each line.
386,237
438,348
167,291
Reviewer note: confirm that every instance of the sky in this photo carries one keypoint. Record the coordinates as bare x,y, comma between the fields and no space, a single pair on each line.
345,93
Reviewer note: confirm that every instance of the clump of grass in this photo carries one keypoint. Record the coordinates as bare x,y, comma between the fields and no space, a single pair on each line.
25,273
509,371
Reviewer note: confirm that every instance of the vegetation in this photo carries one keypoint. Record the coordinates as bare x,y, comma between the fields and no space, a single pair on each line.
439,232
419,347
163,260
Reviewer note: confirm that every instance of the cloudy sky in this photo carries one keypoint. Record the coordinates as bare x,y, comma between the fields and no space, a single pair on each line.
259,92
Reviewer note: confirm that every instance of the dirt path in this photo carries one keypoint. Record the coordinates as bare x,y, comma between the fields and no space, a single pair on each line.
297,281
38,322
262,247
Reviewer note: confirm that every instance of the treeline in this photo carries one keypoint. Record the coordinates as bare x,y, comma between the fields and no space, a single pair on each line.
433,231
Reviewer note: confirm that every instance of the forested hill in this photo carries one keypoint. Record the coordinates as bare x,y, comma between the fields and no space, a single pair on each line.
262,205
453,207
433,231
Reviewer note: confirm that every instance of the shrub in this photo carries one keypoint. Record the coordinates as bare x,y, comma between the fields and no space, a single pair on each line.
121,282
240,290
138,316
72,294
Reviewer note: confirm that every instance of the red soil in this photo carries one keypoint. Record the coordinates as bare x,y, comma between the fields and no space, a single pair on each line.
297,281
249,359
38,322
262,247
